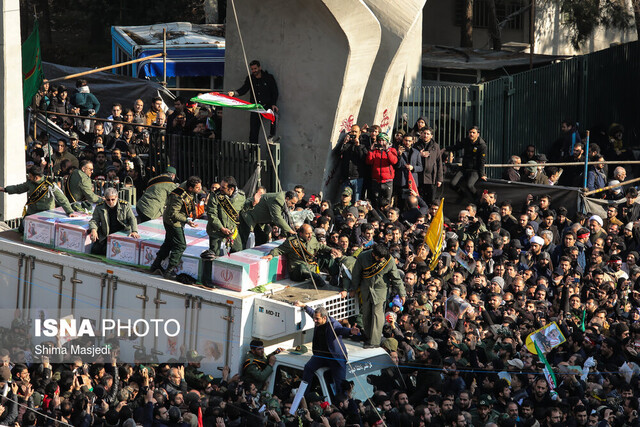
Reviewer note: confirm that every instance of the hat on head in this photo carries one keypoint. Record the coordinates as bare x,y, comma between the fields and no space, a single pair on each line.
629,227
558,271
485,400
545,255
353,210
193,356
537,240
73,135
98,145
499,280
348,191
516,363
541,158
617,190
390,344
396,302
383,136
171,169
533,168
516,244
110,168
597,219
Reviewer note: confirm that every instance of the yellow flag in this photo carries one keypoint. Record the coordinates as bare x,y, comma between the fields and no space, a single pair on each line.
435,235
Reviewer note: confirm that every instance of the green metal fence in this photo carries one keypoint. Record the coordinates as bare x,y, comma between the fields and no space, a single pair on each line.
594,90
212,160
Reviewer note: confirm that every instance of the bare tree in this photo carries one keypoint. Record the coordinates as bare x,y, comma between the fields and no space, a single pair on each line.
494,26
466,29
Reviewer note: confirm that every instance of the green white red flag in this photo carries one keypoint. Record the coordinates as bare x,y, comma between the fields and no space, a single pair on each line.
221,100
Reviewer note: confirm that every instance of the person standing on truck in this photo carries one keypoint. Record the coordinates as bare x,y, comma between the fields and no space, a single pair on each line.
302,256
180,210
78,188
328,350
42,194
266,94
110,217
257,368
272,208
373,273
152,202
223,214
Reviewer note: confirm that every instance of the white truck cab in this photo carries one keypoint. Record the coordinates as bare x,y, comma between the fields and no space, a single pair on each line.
287,372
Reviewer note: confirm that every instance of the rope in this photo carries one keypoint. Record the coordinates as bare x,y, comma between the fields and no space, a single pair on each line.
264,132
38,413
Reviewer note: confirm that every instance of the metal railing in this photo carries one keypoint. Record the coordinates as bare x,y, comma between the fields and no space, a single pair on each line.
211,160
594,90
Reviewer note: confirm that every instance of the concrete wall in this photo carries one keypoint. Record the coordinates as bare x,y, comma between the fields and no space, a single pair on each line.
12,168
552,37
321,53
439,28
397,46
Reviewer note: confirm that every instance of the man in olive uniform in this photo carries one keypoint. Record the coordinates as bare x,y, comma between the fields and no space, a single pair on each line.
78,188
110,217
152,202
271,209
302,252
42,194
256,368
179,210
223,212
373,270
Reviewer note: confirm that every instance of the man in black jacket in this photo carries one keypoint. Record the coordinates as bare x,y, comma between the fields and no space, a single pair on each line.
266,94
353,154
474,158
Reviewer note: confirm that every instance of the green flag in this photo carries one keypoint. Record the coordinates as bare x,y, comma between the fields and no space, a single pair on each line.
32,75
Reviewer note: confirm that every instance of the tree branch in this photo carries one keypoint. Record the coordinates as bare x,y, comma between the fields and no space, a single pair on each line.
508,18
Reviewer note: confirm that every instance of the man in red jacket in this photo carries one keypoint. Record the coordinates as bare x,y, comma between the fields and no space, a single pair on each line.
383,160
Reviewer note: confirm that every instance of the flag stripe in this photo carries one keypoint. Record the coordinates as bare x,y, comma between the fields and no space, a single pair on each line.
221,100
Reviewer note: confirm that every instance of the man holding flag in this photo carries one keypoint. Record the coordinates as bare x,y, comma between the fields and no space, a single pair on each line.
266,94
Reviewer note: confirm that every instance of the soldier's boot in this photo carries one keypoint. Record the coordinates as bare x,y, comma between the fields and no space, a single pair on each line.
156,268
170,273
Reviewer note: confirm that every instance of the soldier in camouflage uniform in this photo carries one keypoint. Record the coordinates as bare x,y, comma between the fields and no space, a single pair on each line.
223,212
179,210
78,187
302,256
271,209
42,194
152,202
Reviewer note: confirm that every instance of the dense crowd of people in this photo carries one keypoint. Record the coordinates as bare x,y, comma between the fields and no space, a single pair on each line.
456,334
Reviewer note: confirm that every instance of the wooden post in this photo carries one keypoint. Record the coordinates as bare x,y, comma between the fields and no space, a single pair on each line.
108,67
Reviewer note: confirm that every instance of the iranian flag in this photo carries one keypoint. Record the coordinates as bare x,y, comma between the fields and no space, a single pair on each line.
221,100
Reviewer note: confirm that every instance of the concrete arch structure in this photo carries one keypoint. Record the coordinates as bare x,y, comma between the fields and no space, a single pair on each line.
399,58
321,53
